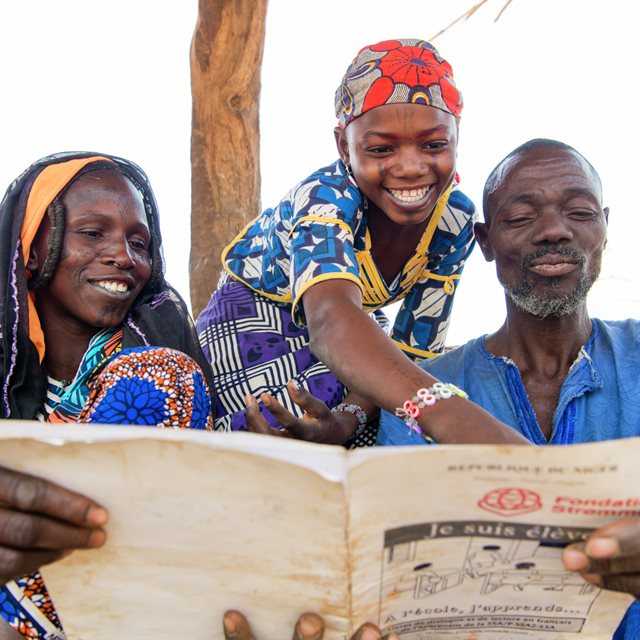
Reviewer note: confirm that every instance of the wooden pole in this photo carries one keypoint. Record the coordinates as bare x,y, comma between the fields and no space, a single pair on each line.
226,59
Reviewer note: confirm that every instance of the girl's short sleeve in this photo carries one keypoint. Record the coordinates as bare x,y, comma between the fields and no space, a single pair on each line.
327,213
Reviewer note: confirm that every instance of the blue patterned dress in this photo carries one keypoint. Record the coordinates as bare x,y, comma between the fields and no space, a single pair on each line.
253,329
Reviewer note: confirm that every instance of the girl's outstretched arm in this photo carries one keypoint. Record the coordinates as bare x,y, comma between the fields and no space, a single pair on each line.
369,363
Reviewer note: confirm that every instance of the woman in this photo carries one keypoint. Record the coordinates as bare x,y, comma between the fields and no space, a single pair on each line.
385,223
91,331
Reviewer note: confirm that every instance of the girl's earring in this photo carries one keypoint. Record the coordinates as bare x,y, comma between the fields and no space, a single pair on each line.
349,170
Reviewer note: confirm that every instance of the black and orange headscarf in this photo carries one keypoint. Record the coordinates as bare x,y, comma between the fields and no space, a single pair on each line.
52,180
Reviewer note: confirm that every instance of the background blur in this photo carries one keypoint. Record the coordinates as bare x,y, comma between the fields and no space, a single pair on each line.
114,77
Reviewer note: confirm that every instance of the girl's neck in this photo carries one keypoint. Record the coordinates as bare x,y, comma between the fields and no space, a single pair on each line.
392,244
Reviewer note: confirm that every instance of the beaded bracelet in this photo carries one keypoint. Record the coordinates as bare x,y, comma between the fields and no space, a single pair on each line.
411,410
357,411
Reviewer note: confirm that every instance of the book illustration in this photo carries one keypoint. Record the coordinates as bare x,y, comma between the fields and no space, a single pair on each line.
449,576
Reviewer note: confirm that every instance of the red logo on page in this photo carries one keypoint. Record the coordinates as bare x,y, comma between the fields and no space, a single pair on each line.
510,501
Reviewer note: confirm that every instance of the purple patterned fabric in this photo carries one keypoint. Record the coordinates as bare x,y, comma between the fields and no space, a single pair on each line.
255,347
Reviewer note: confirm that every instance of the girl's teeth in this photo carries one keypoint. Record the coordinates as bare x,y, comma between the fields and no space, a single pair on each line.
408,195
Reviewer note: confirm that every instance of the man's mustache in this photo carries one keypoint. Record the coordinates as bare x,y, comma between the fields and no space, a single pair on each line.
561,250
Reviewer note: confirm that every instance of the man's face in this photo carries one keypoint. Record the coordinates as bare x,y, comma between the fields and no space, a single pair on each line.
546,230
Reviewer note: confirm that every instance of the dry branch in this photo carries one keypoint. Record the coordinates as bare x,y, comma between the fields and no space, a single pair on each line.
467,14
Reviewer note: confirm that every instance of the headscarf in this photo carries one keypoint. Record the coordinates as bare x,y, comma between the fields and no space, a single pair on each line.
405,71
47,185
159,317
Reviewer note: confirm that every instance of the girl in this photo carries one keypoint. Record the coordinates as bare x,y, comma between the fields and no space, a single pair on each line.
385,223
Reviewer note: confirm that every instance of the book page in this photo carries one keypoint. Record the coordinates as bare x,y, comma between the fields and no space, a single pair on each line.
465,542
197,526
446,542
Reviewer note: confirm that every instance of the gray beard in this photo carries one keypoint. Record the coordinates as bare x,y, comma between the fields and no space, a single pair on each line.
550,305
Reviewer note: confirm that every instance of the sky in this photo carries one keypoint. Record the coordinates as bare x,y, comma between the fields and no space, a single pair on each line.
114,77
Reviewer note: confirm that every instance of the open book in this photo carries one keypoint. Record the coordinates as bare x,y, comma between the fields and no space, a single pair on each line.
433,542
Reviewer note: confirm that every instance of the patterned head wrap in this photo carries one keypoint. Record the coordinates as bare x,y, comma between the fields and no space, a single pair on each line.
396,71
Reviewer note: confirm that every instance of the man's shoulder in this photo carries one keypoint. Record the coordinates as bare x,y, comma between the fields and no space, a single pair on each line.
621,334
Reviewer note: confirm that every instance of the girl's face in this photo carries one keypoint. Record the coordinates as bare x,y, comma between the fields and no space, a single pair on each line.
104,262
403,157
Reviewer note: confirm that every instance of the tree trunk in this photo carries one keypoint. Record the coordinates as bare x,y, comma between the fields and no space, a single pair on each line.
226,57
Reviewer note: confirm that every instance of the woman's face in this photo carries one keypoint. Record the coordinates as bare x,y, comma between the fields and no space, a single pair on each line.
104,261
403,157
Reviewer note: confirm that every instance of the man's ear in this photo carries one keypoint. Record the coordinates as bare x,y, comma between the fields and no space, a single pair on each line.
342,144
606,214
481,231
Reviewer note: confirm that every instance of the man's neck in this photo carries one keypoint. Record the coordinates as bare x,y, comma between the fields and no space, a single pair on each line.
539,343
544,351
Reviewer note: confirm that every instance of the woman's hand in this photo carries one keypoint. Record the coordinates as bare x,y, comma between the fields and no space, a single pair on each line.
610,557
318,424
310,626
41,522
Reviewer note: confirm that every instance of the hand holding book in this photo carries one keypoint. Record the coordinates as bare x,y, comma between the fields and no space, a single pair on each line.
40,522
310,626
610,557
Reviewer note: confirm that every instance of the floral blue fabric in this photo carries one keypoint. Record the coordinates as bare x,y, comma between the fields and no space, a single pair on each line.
143,386
149,386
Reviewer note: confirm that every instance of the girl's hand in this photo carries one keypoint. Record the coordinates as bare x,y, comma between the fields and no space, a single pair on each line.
310,626
318,424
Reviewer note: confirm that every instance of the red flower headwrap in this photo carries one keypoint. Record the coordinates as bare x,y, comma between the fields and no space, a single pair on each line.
396,71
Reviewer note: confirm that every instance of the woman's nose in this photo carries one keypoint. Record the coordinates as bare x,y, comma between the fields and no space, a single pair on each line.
119,253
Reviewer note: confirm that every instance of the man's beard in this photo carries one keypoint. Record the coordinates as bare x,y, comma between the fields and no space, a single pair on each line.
553,304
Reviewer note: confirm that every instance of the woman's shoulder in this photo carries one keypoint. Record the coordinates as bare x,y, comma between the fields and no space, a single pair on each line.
334,174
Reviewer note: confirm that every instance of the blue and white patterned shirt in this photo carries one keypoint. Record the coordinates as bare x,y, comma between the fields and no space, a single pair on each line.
319,232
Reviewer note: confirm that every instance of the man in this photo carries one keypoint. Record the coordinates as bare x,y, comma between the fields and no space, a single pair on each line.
551,372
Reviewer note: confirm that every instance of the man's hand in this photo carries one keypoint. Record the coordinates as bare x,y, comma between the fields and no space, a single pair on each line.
610,557
310,626
318,424
40,522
